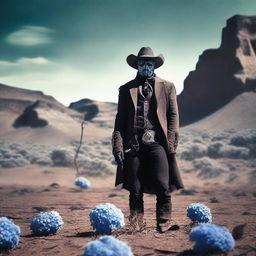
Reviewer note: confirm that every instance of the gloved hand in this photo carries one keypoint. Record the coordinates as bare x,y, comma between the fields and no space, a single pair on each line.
119,157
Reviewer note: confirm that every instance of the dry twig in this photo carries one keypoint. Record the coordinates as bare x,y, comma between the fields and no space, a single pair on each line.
78,148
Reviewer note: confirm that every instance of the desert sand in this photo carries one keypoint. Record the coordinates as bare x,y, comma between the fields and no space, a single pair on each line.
25,191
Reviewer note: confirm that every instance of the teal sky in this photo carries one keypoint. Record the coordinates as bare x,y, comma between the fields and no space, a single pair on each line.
73,49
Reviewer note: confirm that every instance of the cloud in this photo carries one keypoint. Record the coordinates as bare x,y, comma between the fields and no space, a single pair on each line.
30,36
26,61
38,64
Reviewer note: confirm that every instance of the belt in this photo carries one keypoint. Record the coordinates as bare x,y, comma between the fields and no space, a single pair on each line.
146,136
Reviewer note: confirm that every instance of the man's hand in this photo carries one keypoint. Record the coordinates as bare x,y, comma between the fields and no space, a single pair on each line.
119,157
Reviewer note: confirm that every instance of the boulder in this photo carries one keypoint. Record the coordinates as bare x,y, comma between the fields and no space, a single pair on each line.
30,118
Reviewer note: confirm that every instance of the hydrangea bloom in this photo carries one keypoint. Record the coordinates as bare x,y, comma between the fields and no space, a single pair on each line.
199,212
107,246
82,182
211,238
46,223
9,233
105,218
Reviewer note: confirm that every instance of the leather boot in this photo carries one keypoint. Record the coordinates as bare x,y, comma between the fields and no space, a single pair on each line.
141,222
133,220
163,216
136,221
136,205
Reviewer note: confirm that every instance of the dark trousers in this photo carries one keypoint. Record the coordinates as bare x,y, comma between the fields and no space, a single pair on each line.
149,168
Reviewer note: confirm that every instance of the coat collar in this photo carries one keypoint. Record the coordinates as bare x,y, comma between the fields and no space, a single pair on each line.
158,92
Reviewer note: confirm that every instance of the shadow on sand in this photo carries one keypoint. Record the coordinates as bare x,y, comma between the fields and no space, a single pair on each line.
85,234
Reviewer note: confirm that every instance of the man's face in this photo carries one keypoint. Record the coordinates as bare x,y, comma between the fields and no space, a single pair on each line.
146,67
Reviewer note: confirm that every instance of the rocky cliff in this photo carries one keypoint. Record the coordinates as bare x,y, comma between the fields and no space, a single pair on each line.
221,74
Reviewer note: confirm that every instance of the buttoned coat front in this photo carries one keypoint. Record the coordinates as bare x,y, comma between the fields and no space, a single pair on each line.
168,117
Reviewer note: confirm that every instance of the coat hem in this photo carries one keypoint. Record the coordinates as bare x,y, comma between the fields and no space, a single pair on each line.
171,189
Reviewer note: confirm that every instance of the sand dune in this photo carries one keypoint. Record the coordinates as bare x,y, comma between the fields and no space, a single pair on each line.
240,113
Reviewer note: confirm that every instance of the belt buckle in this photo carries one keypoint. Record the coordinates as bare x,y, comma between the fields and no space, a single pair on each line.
148,137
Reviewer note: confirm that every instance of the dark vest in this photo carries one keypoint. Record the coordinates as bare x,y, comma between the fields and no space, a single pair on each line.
146,116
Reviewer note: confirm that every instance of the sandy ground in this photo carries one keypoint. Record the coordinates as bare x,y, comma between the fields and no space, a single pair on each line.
28,190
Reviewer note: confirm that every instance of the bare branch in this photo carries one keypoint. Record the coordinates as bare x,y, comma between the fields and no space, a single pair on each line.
78,148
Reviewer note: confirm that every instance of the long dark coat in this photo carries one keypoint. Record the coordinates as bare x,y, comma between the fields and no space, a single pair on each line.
168,117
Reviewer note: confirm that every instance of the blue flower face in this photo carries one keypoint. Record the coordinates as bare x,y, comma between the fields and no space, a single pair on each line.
107,246
105,218
9,233
212,238
146,67
46,223
82,182
199,213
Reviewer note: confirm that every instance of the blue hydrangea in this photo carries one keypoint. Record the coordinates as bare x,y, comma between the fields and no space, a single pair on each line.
82,183
107,246
199,213
46,223
9,233
211,238
105,218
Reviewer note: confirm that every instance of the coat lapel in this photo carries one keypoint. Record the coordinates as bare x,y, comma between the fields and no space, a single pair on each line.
161,103
157,93
134,93
134,96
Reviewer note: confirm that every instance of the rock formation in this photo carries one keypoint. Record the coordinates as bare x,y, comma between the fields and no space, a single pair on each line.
221,74
30,118
87,107
102,114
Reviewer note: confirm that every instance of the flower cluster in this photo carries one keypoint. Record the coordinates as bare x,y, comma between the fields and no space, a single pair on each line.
107,246
46,223
9,233
211,238
199,213
82,183
105,218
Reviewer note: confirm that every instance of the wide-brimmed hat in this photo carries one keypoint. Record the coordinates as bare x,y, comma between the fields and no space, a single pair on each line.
145,53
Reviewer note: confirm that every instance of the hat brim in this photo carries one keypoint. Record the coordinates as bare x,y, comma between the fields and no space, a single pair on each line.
132,60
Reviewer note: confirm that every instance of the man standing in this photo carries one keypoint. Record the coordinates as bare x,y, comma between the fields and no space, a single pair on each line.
145,139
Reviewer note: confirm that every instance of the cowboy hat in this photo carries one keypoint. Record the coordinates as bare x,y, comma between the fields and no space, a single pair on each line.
145,53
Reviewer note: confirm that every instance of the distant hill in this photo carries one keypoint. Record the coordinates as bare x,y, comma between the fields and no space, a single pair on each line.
63,124
29,108
17,99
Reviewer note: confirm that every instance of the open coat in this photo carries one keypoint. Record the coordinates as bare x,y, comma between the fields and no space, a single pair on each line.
168,117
